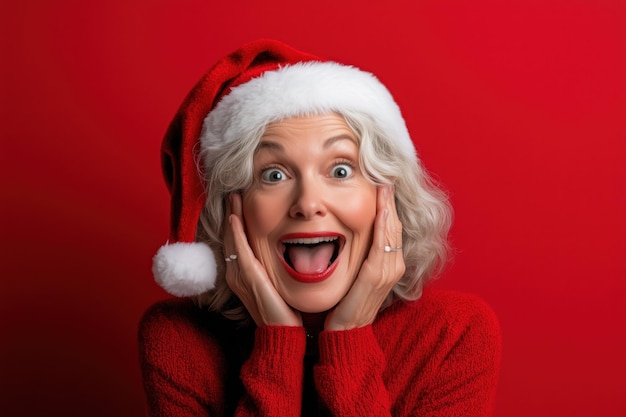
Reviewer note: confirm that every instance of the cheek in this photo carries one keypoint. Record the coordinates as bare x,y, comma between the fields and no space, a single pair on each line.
260,215
359,211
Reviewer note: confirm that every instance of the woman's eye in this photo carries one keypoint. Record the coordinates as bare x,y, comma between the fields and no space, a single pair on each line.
273,175
341,171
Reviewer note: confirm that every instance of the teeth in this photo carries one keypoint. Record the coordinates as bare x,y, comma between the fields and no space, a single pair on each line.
310,241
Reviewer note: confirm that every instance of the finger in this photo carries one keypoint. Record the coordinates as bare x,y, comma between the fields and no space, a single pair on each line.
236,205
227,212
398,267
240,239
227,232
391,239
373,267
379,240
246,259
392,266
395,224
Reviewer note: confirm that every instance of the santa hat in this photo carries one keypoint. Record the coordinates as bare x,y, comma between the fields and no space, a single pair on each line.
263,82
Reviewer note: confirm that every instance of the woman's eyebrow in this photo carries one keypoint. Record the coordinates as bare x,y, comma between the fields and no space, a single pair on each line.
268,144
331,141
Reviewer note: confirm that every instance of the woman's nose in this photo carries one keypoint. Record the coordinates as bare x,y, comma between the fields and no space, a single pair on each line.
308,201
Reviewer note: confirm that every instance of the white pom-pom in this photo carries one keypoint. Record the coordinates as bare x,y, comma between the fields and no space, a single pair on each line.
185,269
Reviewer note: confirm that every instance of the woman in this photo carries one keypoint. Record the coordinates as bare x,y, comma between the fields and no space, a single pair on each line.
301,176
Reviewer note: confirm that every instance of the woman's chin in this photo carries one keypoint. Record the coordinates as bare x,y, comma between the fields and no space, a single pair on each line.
316,297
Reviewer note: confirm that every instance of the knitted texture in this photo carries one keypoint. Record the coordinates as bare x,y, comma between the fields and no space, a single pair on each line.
438,356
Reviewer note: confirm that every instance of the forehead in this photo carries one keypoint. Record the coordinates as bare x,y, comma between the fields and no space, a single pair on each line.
326,129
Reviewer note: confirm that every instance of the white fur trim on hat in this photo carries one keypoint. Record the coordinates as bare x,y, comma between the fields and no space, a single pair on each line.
301,89
185,269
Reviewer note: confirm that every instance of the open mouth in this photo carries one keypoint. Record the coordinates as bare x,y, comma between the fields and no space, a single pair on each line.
311,259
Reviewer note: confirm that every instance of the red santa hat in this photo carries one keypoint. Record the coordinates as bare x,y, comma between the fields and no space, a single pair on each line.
262,82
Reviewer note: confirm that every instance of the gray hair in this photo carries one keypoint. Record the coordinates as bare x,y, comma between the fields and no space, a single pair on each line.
423,208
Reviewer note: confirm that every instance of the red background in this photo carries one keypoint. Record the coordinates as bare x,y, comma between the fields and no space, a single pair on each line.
518,107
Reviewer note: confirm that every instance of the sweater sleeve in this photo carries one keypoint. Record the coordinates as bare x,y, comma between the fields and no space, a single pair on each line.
349,374
273,375
183,367
467,376
187,367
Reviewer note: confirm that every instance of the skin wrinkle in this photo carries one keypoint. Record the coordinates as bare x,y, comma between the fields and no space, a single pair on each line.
266,143
312,185
308,201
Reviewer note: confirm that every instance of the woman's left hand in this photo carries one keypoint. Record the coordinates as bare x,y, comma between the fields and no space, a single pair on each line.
379,273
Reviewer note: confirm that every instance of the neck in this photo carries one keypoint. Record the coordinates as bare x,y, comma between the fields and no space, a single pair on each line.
313,323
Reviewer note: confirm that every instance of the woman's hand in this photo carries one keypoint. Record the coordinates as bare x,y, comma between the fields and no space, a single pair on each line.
248,279
379,273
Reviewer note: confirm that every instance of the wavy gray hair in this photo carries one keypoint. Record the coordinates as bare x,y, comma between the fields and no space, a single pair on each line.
423,208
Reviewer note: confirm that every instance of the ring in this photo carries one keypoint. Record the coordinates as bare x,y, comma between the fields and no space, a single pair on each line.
390,249
230,258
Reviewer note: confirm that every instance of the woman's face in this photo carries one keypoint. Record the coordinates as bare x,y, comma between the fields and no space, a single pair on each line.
309,213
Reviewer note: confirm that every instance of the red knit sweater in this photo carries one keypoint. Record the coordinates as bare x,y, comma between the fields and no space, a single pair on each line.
438,356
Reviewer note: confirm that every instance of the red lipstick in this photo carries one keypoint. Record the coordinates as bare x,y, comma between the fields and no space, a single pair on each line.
303,238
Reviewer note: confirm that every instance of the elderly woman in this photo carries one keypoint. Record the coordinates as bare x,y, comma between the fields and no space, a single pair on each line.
303,231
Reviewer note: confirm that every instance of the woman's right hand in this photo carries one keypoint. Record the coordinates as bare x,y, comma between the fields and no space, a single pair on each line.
247,277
